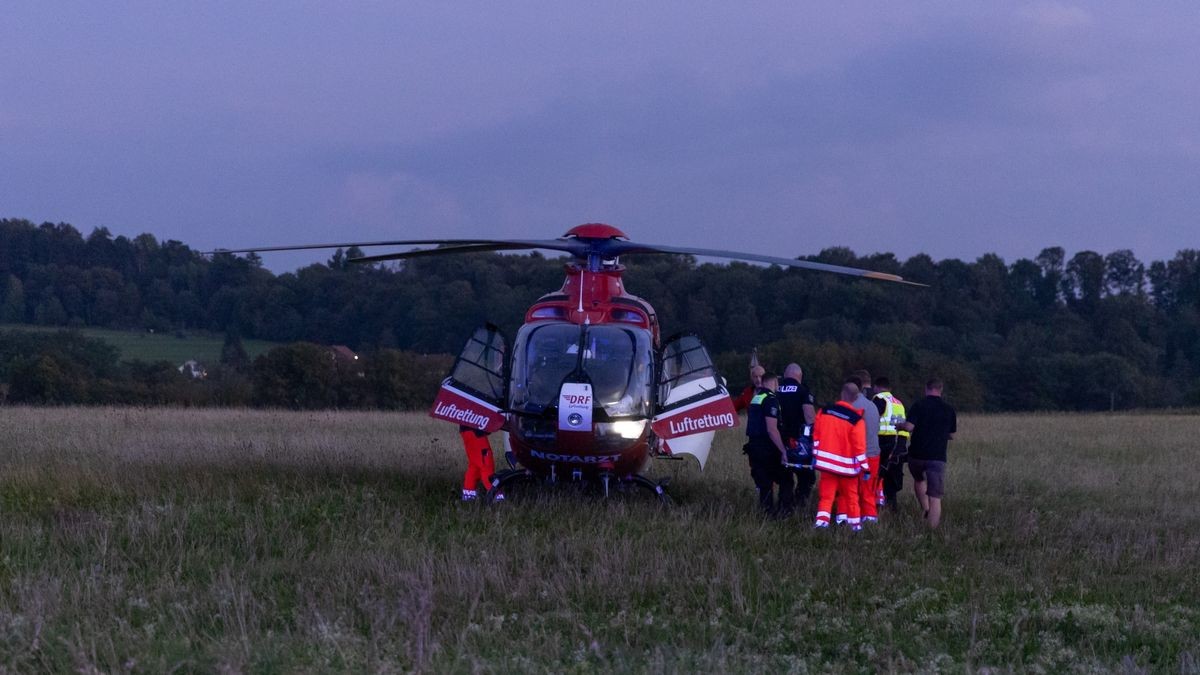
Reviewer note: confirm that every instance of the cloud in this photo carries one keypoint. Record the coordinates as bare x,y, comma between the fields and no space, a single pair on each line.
1007,125
669,145
980,133
397,199
1056,15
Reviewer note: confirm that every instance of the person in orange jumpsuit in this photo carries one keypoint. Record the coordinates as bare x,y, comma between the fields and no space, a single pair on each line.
481,466
840,457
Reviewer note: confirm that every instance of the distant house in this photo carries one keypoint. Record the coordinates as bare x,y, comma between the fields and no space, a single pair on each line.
193,369
345,360
343,354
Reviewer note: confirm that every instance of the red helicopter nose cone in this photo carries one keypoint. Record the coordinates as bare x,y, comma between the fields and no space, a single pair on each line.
595,231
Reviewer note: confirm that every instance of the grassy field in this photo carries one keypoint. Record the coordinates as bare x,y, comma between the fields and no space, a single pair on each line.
151,347
197,541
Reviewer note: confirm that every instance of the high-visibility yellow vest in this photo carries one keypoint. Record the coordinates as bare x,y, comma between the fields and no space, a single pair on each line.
893,412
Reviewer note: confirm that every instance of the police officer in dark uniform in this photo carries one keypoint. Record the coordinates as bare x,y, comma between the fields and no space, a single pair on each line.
765,450
797,410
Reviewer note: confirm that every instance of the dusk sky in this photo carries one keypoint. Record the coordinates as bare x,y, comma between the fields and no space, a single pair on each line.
950,128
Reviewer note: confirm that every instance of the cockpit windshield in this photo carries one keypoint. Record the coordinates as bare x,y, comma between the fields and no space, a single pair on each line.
617,360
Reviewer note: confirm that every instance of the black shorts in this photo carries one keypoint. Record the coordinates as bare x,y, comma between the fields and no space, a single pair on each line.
933,472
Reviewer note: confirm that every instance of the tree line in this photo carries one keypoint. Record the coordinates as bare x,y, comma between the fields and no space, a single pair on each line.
65,367
1083,332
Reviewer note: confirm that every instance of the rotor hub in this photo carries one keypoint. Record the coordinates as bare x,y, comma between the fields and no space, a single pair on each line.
595,231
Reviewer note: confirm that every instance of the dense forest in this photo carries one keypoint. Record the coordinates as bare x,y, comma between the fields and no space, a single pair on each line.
1084,331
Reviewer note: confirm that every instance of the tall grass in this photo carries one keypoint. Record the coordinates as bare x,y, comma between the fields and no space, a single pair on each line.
202,540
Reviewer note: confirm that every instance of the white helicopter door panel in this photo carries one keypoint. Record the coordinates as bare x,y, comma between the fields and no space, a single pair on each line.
475,392
692,401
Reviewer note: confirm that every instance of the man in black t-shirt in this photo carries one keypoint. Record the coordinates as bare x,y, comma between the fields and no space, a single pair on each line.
933,424
797,410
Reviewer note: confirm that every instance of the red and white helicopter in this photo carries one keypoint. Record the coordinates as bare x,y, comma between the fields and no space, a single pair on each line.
588,390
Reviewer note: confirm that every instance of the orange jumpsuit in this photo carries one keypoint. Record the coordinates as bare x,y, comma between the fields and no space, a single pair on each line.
868,494
870,491
480,464
840,457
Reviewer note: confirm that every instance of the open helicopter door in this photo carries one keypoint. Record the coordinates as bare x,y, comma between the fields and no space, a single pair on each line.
692,401
475,392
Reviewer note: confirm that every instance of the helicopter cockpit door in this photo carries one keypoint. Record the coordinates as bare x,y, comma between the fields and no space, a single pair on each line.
692,403
474,393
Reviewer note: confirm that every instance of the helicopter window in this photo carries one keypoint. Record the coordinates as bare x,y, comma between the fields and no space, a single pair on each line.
544,355
553,312
480,366
617,361
686,361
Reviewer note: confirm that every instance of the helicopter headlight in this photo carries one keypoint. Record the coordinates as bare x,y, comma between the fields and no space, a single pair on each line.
629,429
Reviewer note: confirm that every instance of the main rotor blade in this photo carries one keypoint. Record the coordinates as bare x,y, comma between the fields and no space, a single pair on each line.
568,245
348,244
579,248
442,250
626,248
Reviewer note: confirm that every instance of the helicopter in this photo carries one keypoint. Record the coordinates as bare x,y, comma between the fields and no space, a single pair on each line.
588,391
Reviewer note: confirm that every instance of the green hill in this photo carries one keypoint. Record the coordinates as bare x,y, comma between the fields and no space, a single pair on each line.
150,347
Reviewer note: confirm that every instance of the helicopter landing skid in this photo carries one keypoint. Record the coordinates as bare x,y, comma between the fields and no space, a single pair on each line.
607,483
659,488
508,477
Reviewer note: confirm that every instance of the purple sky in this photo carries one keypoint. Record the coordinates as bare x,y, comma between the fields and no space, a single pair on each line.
945,127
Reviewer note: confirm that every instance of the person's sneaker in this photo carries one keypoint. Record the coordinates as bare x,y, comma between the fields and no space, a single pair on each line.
821,525
469,496
856,527
869,519
841,518
499,497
